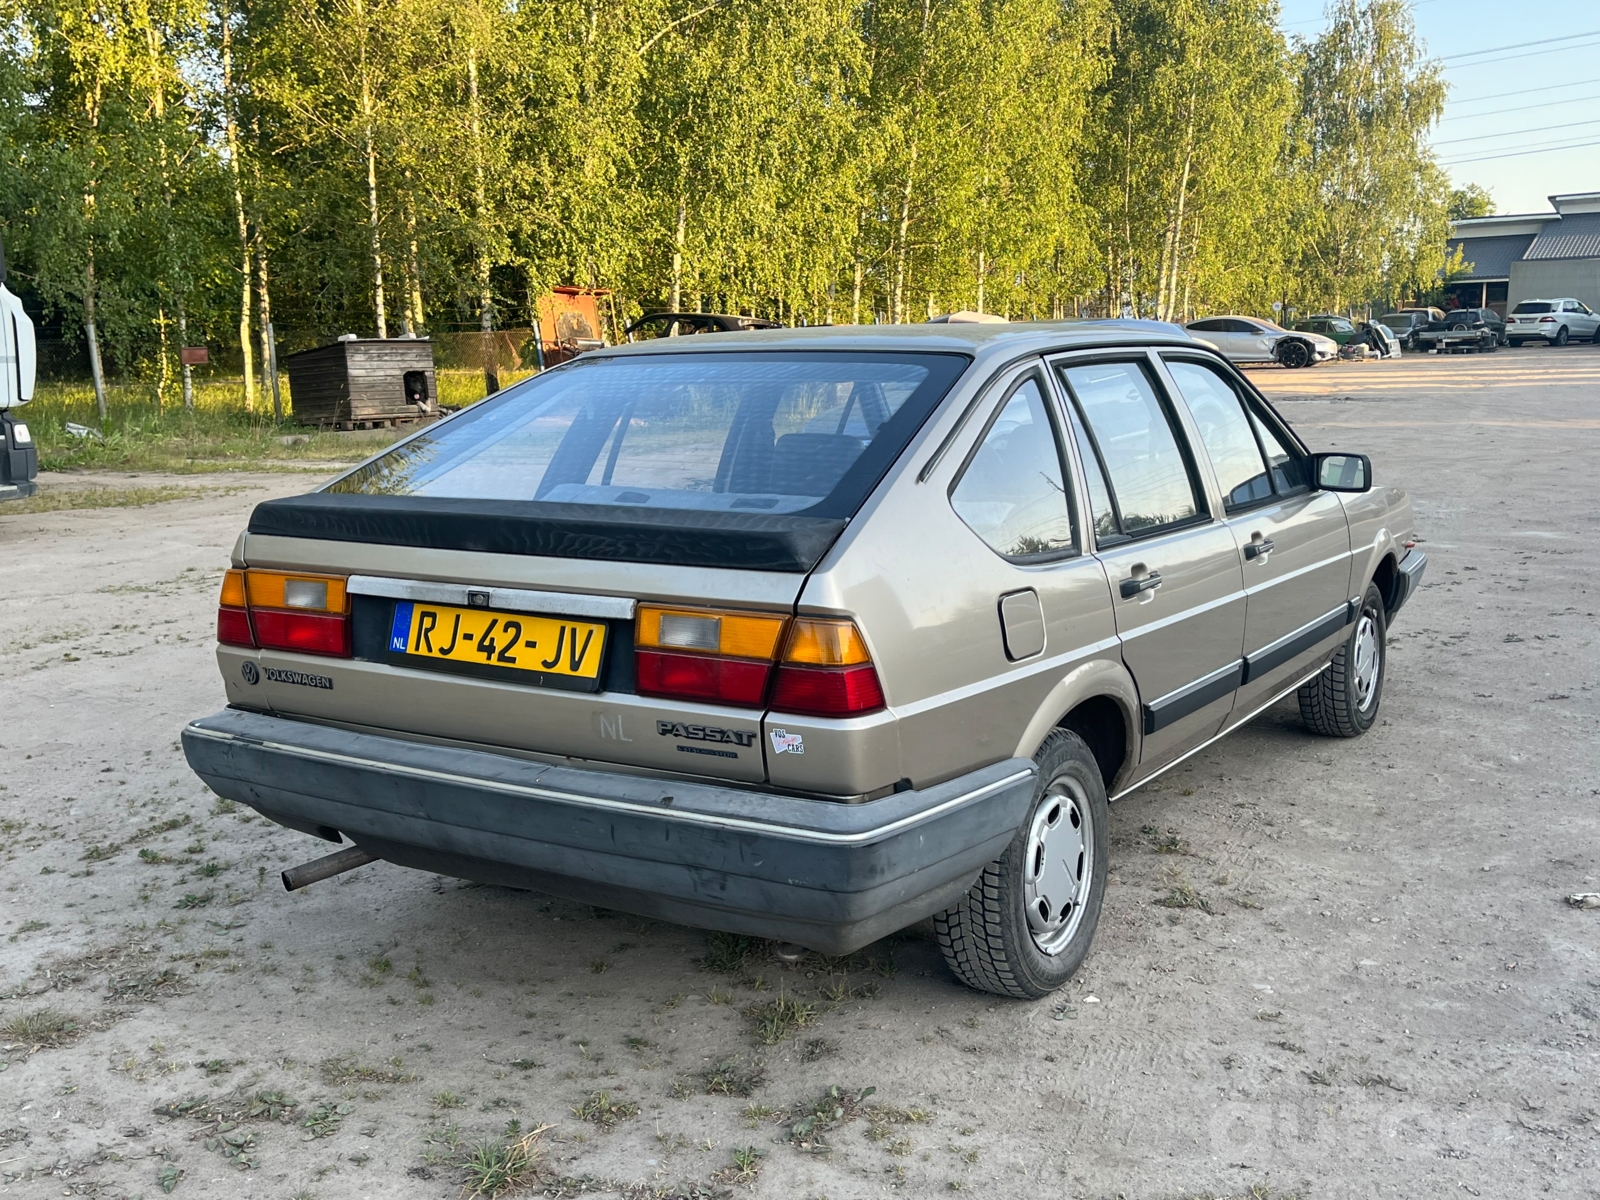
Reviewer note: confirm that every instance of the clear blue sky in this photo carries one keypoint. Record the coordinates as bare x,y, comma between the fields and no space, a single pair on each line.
1566,75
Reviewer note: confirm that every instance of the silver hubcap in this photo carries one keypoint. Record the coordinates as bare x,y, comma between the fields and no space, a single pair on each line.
1368,661
1060,865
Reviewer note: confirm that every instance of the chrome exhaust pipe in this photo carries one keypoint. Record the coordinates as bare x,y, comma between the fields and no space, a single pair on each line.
326,867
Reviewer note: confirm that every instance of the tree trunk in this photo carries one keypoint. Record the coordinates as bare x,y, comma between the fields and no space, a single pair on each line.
855,301
901,252
269,344
491,366
371,145
94,342
231,132
677,256
416,321
188,371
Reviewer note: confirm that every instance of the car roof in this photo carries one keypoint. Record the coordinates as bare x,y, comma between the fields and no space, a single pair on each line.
979,339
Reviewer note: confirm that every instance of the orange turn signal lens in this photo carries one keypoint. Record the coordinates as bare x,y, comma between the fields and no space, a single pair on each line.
305,593
232,590
820,642
699,631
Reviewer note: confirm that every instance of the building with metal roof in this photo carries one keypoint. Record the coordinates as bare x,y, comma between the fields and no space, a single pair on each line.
1525,255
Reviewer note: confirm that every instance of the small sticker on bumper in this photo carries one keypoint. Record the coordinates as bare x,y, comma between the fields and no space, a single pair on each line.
784,742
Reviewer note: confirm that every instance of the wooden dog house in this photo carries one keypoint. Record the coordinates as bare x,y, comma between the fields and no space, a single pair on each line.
362,383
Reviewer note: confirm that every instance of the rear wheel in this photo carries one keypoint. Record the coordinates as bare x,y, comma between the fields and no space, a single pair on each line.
1294,355
1515,343
1561,337
1025,926
1343,700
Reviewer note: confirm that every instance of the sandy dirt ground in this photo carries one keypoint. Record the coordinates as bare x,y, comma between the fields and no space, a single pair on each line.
1376,989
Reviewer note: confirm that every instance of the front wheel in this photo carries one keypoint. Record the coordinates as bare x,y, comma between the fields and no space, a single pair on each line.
1343,700
1025,926
1294,355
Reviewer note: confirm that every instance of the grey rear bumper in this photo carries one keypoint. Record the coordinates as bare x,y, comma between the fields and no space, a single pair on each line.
827,875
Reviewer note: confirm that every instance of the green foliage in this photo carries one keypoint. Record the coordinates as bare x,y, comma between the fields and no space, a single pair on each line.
366,164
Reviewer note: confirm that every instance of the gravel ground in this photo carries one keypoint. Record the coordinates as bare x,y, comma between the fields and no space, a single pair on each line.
1325,968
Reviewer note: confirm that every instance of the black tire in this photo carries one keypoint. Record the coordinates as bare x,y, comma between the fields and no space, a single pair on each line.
1335,704
986,936
1491,346
1561,337
1515,343
1294,355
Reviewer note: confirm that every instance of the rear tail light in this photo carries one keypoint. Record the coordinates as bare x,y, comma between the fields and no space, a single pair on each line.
699,654
277,610
826,671
1547,320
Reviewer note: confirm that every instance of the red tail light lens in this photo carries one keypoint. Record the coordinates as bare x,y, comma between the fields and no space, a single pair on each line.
827,691
310,633
702,677
233,628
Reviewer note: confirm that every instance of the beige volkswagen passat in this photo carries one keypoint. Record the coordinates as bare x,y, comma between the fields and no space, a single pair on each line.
809,634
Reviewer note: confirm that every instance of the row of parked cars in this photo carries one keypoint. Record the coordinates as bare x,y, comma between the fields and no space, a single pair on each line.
1319,338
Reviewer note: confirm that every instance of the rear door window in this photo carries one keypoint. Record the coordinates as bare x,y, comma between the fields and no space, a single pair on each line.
1013,493
1134,438
757,433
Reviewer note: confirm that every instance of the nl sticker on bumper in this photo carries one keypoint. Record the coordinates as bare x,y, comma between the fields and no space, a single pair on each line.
516,641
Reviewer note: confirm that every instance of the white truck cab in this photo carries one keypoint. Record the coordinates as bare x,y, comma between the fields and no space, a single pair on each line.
19,457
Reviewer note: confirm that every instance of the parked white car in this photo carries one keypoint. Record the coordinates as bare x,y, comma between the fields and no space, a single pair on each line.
1556,322
1252,340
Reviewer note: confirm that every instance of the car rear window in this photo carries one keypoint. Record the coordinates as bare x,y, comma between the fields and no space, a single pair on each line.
1534,306
763,432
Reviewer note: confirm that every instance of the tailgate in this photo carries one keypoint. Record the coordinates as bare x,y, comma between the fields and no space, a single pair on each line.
573,705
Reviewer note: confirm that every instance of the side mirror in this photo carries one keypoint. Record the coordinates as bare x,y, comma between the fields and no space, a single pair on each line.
1342,472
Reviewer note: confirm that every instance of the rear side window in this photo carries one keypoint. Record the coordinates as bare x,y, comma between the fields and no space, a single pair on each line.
1013,491
1532,306
772,432
1132,436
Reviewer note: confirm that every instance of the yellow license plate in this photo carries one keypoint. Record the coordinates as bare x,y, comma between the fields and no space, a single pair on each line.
512,641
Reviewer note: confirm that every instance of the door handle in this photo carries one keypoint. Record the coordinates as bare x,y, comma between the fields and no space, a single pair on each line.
1258,549
1131,587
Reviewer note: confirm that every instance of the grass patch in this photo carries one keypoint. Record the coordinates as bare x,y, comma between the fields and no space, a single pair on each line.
745,1169
600,1109
731,953
734,1077
1183,895
42,1029
815,1119
504,1164
776,1019
59,499
344,1070
219,435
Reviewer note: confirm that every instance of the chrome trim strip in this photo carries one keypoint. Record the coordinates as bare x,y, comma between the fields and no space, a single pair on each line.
680,815
1183,614
565,604
1295,574
1217,737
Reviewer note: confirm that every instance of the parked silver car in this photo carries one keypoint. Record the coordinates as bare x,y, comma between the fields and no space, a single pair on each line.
1253,340
808,634
1555,322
